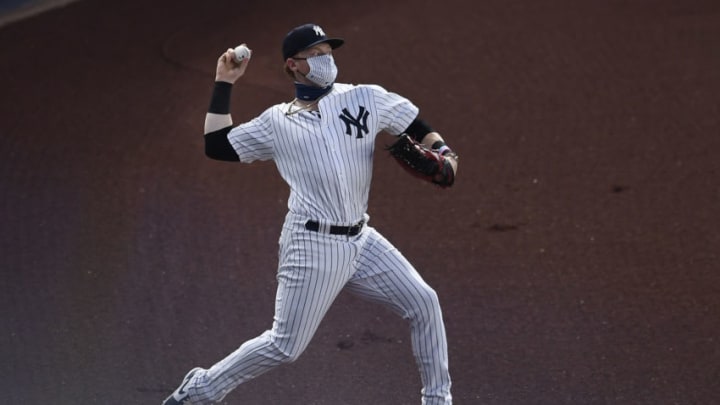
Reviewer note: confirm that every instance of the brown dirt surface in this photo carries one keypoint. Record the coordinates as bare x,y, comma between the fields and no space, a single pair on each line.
576,258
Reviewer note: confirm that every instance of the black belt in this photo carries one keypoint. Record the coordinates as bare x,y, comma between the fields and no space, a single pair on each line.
336,230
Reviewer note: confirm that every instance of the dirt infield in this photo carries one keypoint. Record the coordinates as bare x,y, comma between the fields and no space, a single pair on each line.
576,259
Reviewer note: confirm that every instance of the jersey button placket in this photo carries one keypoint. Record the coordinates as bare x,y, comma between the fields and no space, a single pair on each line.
334,147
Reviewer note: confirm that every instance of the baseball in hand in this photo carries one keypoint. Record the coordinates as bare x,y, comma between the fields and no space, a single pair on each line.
241,52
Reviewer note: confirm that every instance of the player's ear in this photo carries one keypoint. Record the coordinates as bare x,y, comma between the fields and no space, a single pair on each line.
291,64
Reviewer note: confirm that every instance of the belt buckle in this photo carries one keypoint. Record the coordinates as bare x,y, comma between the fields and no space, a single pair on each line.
355,229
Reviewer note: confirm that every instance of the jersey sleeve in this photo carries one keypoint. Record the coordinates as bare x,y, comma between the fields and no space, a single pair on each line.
396,113
253,140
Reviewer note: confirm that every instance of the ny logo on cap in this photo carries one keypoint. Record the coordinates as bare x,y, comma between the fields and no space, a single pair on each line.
318,31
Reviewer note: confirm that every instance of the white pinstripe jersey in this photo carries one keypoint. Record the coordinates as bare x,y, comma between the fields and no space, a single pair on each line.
326,158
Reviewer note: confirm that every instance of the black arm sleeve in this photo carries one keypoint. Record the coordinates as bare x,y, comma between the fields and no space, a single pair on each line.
220,100
218,147
418,129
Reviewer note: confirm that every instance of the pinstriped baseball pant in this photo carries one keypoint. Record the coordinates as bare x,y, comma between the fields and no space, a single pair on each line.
313,268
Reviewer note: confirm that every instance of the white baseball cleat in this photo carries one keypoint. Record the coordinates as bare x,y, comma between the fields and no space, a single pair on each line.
181,396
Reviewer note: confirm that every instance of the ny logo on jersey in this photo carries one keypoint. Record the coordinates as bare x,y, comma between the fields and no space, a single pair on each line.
359,122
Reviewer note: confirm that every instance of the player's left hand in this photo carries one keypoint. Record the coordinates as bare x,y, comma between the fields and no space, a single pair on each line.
423,162
452,159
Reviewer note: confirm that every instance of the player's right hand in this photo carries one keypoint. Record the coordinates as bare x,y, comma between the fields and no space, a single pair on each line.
227,69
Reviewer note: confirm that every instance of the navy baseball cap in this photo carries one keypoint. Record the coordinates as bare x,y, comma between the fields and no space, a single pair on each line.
307,36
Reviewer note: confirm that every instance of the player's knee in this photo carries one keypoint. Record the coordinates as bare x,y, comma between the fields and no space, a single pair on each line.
428,307
292,357
429,296
286,356
289,357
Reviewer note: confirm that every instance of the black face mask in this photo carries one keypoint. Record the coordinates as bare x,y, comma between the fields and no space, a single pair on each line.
310,93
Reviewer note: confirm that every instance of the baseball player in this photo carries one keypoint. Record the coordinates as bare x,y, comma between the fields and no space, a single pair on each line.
322,143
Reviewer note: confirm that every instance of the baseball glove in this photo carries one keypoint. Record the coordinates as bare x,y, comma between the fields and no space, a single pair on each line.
422,161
